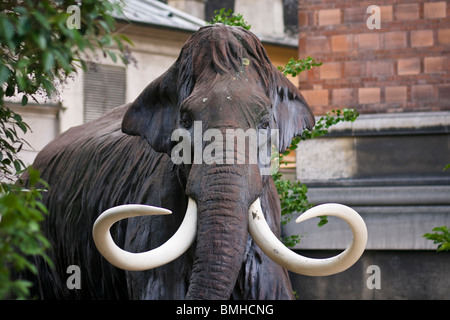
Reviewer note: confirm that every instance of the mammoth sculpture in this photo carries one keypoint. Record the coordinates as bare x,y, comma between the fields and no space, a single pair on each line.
221,239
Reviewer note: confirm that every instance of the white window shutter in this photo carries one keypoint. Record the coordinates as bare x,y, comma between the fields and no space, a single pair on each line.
104,89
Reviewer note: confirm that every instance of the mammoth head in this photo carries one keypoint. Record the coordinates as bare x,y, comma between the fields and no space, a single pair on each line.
224,79
218,57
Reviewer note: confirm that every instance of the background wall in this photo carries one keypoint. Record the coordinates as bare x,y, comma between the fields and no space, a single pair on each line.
389,163
401,67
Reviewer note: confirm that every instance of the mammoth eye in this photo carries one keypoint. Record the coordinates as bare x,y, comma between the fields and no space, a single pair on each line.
185,121
264,124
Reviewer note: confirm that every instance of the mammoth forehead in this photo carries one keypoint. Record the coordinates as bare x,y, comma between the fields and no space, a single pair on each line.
234,97
225,49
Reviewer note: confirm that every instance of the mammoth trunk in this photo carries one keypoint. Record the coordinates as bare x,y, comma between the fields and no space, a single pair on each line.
223,194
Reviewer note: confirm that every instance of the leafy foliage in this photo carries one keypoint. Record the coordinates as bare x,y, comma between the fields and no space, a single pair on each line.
20,234
324,123
293,194
440,236
38,51
38,47
230,18
295,66
10,144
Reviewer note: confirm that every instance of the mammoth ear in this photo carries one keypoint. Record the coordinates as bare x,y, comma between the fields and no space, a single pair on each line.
154,113
291,112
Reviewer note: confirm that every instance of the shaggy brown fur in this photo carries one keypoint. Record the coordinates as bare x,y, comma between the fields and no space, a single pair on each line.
96,166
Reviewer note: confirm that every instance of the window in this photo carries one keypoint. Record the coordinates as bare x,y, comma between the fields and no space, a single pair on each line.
104,89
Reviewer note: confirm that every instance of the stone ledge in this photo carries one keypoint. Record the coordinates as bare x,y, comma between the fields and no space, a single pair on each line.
396,217
389,228
382,196
394,123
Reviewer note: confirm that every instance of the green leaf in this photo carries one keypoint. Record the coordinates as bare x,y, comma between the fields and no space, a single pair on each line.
292,240
21,10
441,236
42,20
323,221
6,29
10,90
126,39
63,61
23,126
4,73
24,100
41,40
18,165
23,25
113,56
34,176
104,25
21,288
47,85
21,81
295,67
80,41
48,60
229,18
444,247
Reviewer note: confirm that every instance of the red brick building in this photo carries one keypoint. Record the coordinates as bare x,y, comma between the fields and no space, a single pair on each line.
401,67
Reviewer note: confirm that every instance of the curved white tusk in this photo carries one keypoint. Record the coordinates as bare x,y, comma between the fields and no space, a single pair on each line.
276,250
167,252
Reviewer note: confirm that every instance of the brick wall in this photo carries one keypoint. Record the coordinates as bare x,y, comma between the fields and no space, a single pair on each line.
401,67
